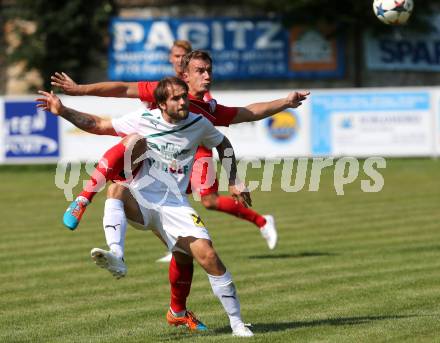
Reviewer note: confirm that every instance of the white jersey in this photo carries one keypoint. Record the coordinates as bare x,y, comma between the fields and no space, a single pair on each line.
165,173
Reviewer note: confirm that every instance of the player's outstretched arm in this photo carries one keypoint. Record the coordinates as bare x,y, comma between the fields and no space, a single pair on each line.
104,89
261,110
84,121
236,188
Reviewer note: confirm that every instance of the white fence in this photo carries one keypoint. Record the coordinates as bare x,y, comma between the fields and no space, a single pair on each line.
338,122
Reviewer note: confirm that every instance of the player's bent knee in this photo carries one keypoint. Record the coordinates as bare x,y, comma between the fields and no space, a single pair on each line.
131,140
136,144
211,256
116,191
208,256
135,148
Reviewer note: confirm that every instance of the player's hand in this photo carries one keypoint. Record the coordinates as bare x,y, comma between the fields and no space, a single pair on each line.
294,99
240,193
63,81
50,102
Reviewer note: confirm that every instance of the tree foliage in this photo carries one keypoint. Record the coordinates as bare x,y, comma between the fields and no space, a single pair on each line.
71,35
68,34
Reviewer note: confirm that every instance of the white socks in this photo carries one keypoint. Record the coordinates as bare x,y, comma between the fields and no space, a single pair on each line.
224,289
180,314
115,226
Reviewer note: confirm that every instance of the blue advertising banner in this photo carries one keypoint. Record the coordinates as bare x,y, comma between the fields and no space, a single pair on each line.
409,51
30,133
242,48
371,123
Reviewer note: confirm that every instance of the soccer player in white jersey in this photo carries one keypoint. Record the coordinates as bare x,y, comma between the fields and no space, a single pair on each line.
156,197
196,69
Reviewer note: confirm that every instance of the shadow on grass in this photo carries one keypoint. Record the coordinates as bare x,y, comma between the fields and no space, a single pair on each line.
298,255
419,249
182,333
272,327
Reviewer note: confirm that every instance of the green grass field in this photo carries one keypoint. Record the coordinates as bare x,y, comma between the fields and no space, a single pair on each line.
363,267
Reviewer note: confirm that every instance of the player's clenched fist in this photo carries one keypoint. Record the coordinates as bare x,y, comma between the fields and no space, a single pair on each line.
295,98
50,102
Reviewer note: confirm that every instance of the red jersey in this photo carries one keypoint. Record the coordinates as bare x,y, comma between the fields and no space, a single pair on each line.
218,115
207,96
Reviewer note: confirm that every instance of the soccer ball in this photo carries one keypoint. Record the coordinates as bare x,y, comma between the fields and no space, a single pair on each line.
393,12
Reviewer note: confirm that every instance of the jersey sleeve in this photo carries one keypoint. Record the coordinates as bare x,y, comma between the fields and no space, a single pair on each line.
146,90
211,137
224,115
127,124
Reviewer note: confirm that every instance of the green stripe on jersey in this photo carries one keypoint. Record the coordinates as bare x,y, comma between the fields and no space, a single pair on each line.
176,130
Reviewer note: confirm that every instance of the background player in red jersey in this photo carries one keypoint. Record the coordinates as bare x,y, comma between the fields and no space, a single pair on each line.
179,49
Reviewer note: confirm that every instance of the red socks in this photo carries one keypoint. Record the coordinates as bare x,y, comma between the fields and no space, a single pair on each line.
180,276
229,205
108,168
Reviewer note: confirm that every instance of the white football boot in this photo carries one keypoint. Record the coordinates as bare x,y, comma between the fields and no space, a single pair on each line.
269,232
166,259
242,330
108,260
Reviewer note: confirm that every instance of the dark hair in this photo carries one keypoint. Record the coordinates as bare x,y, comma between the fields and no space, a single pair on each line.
195,55
162,91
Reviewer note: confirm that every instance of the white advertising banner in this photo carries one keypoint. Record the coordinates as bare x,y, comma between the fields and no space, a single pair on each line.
80,146
286,134
343,122
372,122
388,133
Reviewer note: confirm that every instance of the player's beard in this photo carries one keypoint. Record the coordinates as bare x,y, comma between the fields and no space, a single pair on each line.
178,115
183,113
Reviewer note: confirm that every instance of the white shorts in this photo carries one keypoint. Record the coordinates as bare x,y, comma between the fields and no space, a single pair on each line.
172,222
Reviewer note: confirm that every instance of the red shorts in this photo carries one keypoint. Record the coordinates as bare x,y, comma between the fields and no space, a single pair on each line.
203,175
